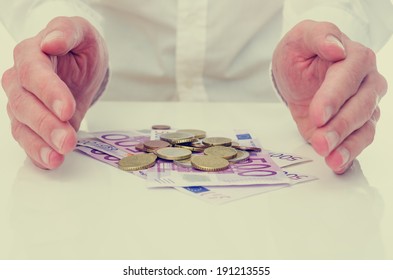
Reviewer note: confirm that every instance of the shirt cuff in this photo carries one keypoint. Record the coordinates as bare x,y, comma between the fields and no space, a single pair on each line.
274,85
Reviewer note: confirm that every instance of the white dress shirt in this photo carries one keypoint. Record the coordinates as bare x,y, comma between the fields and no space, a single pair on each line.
198,50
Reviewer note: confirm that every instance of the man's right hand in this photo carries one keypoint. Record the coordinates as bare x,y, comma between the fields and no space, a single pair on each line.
54,80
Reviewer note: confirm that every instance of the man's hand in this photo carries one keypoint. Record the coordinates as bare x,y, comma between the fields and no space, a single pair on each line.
54,80
332,87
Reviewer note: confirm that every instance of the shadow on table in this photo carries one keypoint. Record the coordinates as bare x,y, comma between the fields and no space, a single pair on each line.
58,214
66,217
341,215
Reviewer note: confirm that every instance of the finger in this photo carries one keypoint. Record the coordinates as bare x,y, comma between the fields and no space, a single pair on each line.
342,157
27,109
342,81
35,72
353,115
37,150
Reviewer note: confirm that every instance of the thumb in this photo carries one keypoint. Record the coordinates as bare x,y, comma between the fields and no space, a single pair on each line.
61,36
332,49
325,40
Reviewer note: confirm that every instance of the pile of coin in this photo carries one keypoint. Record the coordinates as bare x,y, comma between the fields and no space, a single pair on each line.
189,148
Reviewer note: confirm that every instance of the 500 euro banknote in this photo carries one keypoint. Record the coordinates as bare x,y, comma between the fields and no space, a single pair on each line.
258,170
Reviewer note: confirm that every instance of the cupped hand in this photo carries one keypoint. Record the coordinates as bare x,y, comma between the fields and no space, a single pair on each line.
53,81
332,88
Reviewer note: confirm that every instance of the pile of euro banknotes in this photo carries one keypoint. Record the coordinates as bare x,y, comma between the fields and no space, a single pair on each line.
263,171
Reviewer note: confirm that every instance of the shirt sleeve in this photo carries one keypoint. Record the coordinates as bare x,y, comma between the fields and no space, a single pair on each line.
25,18
369,22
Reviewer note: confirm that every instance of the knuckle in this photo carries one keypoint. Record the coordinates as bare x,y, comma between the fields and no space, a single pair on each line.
371,56
16,128
24,73
20,49
368,105
9,112
16,103
366,55
42,123
370,134
383,85
377,114
44,86
354,78
343,126
6,78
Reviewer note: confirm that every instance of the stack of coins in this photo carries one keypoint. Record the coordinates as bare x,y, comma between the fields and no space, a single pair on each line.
188,148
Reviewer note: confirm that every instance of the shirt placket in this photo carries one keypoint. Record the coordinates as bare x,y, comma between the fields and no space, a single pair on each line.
191,49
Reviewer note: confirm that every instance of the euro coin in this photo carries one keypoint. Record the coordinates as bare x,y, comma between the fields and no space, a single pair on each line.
198,145
191,148
177,137
240,156
152,145
209,163
140,147
185,163
247,148
161,127
217,141
173,153
137,162
221,151
196,132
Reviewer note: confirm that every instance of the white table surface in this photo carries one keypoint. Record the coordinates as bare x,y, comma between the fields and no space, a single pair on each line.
89,210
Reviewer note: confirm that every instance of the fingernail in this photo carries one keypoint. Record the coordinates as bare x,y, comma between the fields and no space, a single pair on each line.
328,114
52,36
58,108
334,40
58,136
345,155
45,155
332,139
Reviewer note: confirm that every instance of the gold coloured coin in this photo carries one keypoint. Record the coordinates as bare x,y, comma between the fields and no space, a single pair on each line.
196,132
177,137
185,163
198,145
152,145
189,147
217,141
137,162
209,163
247,148
221,151
161,127
140,147
240,156
173,153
